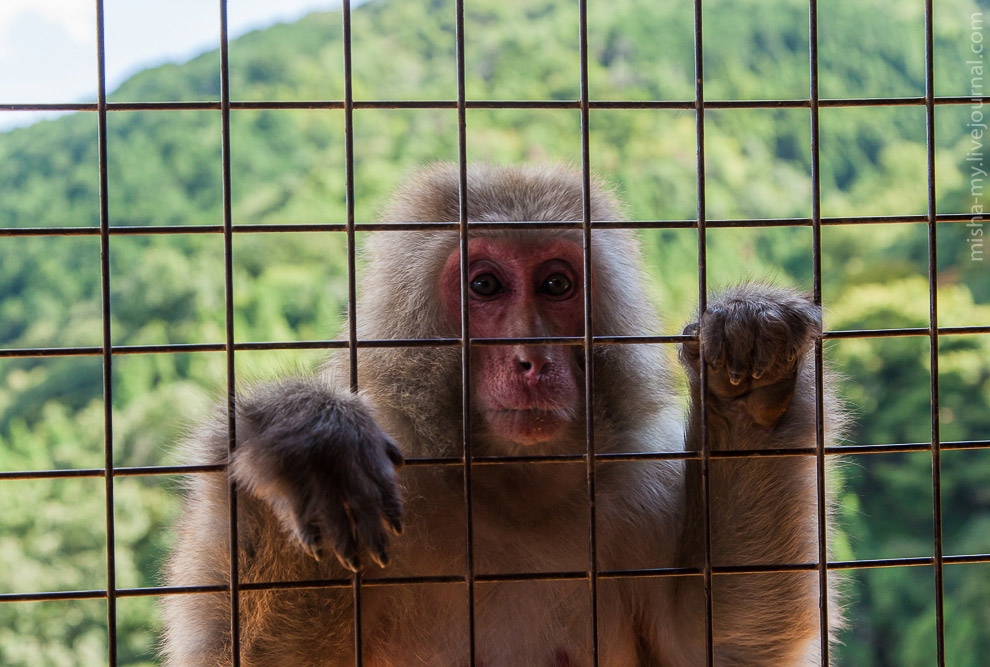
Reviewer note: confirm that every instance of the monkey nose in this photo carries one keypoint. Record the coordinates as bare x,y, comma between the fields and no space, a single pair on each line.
531,363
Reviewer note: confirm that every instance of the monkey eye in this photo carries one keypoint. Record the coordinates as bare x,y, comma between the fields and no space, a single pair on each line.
485,284
556,284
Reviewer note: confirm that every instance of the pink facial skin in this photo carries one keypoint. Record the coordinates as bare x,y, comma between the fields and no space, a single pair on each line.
527,394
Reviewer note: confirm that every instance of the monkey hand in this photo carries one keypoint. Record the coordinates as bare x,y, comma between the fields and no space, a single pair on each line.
753,337
325,468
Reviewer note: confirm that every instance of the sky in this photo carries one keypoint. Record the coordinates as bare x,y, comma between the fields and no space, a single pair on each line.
48,47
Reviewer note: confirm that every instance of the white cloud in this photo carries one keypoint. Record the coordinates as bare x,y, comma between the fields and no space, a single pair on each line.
76,18
48,47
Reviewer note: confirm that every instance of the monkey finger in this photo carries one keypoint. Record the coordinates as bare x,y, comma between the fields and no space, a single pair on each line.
690,347
394,525
380,556
392,512
309,537
378,511
739,370
764,362
390,503
689,352
368,524
338,532
712,339
394,454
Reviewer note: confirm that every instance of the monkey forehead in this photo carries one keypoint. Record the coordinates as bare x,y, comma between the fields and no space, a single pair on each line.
518,254
522,250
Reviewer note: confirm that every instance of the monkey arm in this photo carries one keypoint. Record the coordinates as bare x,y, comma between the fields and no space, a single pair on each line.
763,511
308,457
318,459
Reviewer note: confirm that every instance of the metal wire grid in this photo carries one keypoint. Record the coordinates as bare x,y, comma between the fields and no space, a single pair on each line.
587,341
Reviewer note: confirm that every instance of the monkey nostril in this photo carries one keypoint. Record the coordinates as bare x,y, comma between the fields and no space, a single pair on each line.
530,364
531,367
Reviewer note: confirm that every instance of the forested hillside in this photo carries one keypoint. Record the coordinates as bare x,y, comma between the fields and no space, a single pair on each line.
287,167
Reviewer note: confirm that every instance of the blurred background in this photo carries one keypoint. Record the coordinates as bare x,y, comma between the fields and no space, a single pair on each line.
287,167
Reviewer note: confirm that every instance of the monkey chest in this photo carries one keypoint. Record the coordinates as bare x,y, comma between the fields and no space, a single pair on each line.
539,623
534,622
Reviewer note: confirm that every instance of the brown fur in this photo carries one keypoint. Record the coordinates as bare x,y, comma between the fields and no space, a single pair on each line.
526,518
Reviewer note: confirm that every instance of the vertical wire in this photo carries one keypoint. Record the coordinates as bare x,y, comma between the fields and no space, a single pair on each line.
589,367
816,265
699,110
933,330
107,356
465,322
351,283
228,294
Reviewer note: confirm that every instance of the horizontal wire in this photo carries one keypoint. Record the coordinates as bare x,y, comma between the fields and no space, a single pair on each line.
527,225
172,348
646,573
632,105
607,457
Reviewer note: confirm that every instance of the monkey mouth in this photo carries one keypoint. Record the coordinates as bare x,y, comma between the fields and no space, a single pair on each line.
528,426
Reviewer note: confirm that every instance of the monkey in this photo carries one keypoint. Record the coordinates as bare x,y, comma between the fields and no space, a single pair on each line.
322,490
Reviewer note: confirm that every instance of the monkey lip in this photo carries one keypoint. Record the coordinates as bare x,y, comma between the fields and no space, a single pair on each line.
528,425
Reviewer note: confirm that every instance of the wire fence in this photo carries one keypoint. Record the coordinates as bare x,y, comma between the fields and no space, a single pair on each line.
593,575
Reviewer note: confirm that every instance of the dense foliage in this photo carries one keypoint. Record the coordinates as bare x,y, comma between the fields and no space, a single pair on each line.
287,166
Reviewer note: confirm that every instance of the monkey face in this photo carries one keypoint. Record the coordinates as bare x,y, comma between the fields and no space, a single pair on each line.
526,394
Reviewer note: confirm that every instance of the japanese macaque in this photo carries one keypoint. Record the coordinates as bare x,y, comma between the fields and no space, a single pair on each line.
321,493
